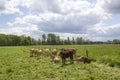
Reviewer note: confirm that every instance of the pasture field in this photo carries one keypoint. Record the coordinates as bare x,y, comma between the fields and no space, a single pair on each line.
16,64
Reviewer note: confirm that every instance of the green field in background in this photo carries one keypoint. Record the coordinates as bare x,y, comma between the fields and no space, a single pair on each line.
15,64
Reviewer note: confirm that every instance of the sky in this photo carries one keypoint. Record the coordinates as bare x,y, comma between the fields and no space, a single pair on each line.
97,20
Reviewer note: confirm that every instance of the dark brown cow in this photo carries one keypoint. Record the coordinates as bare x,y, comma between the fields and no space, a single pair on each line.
66,54
71,49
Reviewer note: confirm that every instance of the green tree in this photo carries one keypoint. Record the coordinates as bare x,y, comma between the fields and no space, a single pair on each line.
68,41
43,39
73,40
52,39
39,42
3,40
79,40
116,41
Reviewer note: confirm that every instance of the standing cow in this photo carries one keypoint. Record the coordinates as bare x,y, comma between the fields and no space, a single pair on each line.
72,50
66,54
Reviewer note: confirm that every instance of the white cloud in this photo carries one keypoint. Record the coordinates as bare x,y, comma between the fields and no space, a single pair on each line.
8,7
12,6
28,31
64,17
101,32
40,6
72,16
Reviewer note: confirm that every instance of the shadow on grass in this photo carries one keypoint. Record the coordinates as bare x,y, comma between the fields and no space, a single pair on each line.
67,64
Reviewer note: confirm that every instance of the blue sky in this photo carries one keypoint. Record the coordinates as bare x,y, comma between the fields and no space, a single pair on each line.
97,20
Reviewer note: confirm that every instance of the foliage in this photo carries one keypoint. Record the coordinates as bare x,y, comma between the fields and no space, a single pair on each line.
14,40
49,39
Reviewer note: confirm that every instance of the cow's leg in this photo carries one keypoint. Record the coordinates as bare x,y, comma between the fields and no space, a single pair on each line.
35,54
63,61
38,55
31,54
84,61
71,59
75,56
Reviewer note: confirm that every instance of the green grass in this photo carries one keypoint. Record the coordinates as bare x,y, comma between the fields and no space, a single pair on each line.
15,64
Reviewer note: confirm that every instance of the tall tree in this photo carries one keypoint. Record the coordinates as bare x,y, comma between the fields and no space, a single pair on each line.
79,40
43,39
39,42
68,41
73,40
51,39
116,41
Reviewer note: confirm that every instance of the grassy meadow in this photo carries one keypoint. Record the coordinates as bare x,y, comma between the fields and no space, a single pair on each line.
15,64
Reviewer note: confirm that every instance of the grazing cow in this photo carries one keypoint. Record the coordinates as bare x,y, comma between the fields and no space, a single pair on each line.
46,52
35,52
54,58
54,52
32,52
39,52
66,54
83,59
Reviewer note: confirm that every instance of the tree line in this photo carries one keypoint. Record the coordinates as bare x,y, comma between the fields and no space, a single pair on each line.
52,39
49,39
14,40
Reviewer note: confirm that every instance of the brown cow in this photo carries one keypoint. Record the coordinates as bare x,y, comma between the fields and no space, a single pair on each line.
66,54
71,49
54,52
83,59
54,58
46,52
35,52
39,52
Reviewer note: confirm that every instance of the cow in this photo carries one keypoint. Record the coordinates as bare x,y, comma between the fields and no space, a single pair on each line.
39,52
54,52
35,52
54,58
32,52
83,59
46,52
70,49
66,54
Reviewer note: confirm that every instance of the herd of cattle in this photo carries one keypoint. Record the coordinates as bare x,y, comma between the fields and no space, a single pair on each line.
63,54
